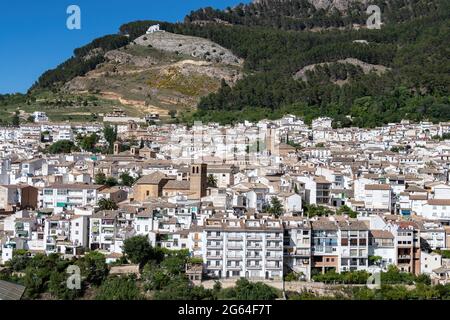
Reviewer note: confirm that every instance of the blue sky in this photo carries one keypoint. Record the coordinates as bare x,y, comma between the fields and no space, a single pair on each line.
34,37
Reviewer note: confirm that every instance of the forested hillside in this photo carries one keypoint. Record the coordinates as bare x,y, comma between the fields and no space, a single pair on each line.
85,59
277,39
416,87
310,14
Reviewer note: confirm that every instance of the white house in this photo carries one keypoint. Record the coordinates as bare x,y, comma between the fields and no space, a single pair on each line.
429,262
40,116
79,231
378,197
381,244
437,209
441,191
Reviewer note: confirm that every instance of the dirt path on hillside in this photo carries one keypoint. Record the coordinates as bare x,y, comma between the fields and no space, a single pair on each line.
136,104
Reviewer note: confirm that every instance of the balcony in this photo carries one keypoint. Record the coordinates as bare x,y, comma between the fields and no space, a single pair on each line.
302,252
215,257
404,256
272,236
234,257
275,258
274,247
253,257
214,237
273,266
214,267
235,237
321,249
234,268
213,246
254,267
234,246
254,237
254,246
108,239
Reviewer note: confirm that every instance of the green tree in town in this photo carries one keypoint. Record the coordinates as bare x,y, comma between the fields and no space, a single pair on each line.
107,204
93,267
58,287
61,147
100,178
314,210
88,142
246,290
155,277
275,208
110,134
212,181
345,210
111,182
126,179
138,250
119,288
375,260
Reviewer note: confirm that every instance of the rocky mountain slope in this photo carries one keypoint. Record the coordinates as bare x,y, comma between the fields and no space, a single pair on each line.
159,72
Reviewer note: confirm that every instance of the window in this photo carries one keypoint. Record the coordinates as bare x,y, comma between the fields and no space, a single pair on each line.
147,192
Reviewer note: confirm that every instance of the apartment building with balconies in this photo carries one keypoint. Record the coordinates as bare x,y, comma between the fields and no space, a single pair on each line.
433,235
70,196
297,246
407,244
56,234
251,248
354,245
381,244
103,227
324,246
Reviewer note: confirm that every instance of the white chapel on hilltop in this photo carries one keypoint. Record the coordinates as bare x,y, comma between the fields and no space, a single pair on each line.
154,28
